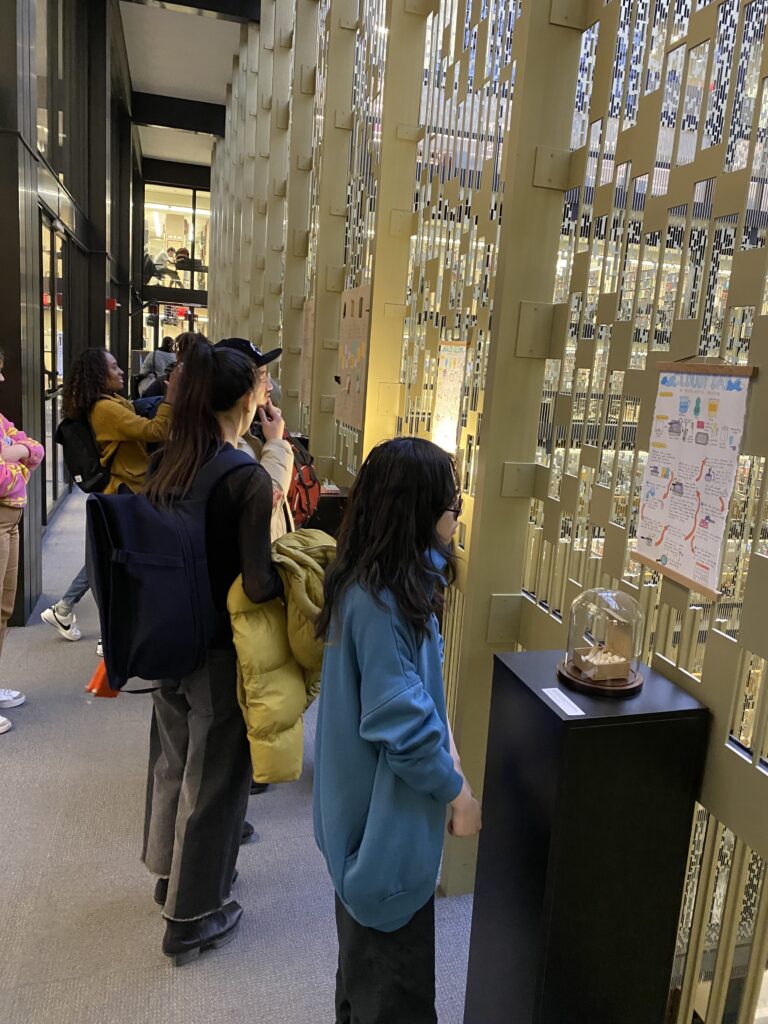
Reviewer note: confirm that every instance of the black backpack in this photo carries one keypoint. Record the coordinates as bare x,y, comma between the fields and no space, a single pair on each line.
149,572
82,456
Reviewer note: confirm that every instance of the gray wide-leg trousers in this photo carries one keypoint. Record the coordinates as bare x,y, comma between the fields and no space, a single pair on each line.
197,787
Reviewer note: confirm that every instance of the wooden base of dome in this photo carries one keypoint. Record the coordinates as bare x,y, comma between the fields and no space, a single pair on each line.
575,678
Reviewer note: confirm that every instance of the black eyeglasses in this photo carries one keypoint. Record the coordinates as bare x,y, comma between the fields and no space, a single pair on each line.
456,509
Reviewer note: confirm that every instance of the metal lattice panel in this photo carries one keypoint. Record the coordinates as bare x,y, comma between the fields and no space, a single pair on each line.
661,251
466,108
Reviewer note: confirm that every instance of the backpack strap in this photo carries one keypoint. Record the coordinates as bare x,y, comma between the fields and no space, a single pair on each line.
215,469
106,466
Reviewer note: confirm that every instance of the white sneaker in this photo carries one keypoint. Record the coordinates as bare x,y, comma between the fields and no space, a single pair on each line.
99,649
65,624
5,725
11,698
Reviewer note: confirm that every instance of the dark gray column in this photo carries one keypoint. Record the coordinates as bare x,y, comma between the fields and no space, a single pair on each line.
137,242
99,160
121,210
20,396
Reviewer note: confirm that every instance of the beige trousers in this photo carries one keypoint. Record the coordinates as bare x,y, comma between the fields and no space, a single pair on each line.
9,564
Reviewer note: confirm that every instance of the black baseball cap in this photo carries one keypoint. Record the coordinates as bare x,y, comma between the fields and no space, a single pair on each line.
250,350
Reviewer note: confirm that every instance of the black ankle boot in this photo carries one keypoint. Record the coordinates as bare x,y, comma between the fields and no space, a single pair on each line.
184,941
161,889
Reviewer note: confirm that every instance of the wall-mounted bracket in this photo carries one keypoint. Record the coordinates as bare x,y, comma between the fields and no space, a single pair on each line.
569,14
283,115
334,279
552,168
309,79
410,132
344,119
402,223
504,619
534,330
421,7
518,480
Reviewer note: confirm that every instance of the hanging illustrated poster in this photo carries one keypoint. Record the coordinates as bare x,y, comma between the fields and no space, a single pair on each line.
353,355
690,473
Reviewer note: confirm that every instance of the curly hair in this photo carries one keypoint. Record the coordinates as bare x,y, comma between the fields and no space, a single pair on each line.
86,383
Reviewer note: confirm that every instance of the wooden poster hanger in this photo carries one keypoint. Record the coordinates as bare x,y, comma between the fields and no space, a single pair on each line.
676,577
716,367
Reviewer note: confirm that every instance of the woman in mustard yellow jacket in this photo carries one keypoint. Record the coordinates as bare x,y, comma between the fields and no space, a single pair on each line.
93,390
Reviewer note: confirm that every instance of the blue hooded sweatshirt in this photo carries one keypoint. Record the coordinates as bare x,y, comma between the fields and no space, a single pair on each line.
383,768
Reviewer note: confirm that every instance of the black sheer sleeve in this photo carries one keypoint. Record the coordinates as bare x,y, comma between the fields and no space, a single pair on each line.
261,581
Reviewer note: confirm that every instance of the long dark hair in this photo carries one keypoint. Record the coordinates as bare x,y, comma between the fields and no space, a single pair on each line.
183,341
212,381
86,383
389,531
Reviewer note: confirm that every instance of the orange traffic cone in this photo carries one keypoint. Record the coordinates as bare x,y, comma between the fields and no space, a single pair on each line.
99,684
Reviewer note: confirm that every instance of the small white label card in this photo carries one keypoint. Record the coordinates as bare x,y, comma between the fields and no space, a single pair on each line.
564,703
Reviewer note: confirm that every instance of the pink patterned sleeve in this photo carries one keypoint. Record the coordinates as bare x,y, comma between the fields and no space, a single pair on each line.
36,450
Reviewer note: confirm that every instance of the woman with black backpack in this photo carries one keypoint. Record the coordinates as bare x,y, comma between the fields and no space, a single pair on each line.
198,787
92,393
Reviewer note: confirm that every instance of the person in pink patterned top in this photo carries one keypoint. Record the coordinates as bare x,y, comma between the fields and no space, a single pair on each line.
19,456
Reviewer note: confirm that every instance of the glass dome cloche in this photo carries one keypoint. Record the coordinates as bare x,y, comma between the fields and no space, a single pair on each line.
605,638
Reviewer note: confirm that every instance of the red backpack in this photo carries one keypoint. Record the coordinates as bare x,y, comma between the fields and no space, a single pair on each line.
304,492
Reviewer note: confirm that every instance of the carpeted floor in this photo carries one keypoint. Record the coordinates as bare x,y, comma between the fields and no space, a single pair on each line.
79,932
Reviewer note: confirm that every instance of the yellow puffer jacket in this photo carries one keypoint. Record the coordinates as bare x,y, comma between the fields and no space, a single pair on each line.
279,659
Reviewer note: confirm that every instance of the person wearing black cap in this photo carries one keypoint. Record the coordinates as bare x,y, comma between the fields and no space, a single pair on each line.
274,453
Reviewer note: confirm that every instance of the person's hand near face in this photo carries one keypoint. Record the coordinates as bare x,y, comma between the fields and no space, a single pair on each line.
272,423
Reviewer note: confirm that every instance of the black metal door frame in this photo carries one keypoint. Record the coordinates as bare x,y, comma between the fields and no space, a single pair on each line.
51,386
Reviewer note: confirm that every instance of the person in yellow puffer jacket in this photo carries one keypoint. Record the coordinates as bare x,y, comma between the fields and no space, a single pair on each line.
279,658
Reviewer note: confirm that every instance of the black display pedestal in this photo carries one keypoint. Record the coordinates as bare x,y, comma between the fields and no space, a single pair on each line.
586,825
329,512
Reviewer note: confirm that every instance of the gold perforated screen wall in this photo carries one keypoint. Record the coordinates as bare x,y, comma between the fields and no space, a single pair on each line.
537,202
662,255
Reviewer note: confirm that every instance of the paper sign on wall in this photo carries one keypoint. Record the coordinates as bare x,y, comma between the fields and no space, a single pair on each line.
690,474
353,355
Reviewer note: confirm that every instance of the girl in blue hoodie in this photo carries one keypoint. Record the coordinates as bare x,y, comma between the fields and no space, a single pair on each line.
386,766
